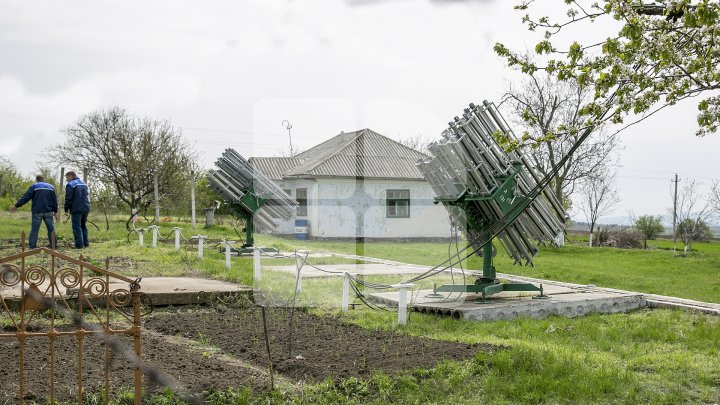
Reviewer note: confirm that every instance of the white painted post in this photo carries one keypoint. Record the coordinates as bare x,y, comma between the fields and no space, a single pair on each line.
402,302
298,277
201,240
177,238
141,236
256,264
154,236
345,292
227,254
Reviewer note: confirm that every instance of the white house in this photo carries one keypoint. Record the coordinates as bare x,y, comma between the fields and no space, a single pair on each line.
358,184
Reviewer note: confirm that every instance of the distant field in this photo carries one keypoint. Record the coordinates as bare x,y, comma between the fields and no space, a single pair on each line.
655,270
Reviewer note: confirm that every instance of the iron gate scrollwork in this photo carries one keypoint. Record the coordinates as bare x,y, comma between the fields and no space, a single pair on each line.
47,294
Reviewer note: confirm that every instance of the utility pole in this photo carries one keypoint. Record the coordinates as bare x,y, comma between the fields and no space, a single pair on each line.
288,126
675,215
157,198
192,197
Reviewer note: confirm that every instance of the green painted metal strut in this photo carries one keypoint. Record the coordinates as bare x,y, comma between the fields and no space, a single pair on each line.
488,283
244,209
506,199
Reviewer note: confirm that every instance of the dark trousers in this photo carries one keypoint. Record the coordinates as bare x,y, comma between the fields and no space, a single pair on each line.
37,220
80,231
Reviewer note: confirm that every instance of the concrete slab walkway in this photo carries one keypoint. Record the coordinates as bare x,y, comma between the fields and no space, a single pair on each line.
161,290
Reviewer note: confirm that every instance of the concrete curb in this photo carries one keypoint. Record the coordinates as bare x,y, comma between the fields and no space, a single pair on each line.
652,300
649,300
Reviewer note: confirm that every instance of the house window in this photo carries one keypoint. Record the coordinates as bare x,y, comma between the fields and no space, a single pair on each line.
287,191
301,198
398,203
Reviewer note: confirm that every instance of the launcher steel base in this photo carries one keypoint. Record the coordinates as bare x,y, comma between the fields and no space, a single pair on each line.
248,250
486,287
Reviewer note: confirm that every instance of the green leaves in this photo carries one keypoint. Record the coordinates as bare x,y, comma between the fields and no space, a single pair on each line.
543,47
654,57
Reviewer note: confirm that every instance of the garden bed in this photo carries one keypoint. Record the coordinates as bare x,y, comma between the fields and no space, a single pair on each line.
207,348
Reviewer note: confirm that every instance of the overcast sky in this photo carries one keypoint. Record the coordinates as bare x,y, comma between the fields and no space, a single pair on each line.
229,72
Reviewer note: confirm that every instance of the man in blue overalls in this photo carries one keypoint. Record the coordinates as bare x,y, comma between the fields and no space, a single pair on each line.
77,203
44,208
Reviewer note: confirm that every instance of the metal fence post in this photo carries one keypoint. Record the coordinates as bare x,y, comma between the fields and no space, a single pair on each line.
256,265
154,236
201,241
228,245
177,238
402,302
345,302
135,292
298,277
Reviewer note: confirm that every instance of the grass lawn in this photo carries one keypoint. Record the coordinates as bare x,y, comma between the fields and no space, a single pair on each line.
656,270
647,356
658,356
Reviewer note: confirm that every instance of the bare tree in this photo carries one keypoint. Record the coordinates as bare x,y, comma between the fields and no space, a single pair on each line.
598,196
715,195
418,142
125,152
694,210
540,105
282,152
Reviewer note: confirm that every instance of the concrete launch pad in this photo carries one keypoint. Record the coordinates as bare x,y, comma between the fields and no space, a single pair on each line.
561,300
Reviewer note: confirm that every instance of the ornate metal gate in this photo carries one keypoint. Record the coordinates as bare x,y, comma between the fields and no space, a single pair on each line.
75,300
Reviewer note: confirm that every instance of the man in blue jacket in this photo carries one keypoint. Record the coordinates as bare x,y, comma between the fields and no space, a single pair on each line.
77,203
44,208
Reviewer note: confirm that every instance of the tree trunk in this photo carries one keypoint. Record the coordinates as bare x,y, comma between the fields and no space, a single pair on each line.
558,192
107,222
592,227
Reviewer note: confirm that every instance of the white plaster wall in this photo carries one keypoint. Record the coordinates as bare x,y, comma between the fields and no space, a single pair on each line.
333,202
288,227
334,214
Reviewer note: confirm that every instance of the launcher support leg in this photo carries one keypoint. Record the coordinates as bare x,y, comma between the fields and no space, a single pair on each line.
249,240
488,268
488,284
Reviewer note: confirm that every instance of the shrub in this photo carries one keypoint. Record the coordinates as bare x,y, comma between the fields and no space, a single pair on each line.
649,227
625,238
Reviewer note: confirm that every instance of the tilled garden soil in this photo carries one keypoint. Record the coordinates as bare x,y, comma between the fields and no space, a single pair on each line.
322,346
194,371
206,348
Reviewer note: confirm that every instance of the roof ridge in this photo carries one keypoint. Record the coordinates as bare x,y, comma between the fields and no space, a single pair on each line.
318,162
398,142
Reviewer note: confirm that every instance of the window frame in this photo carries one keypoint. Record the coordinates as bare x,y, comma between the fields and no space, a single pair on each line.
392,203
302,208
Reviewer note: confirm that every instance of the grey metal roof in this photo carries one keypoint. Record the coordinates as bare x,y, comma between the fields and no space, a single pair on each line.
363,153
274,167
